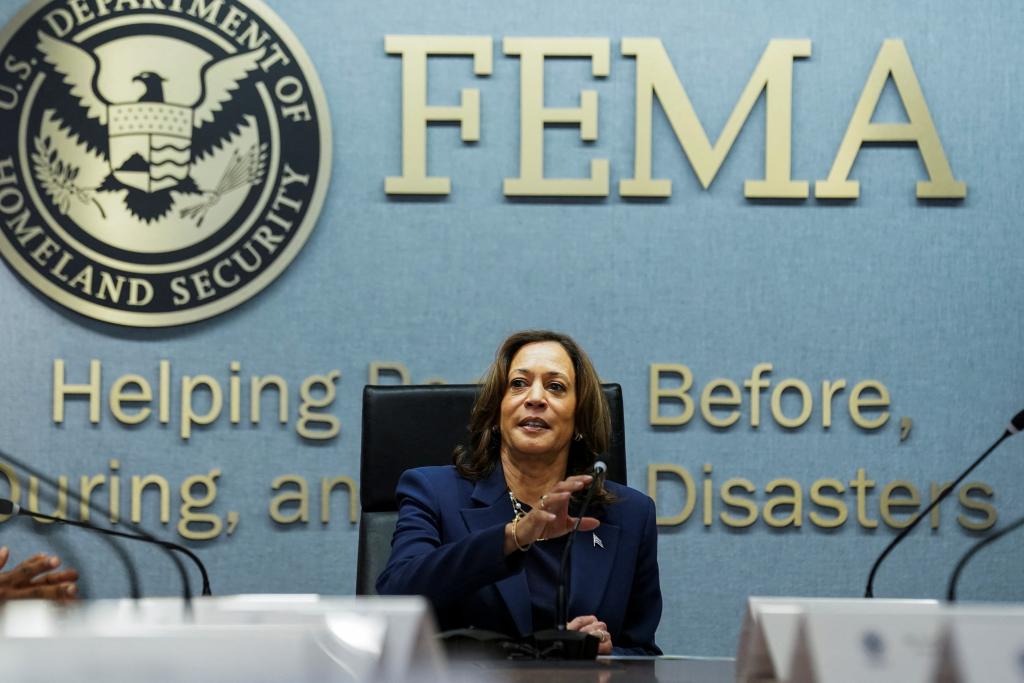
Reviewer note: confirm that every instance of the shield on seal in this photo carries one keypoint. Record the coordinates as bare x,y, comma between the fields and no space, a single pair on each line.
150,144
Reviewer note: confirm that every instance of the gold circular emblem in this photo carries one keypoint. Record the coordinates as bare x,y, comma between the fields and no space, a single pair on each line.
165,160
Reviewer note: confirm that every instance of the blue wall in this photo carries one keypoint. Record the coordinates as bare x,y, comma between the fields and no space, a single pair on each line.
923,297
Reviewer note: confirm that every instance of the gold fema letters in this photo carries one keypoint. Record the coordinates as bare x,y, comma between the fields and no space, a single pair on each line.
656,78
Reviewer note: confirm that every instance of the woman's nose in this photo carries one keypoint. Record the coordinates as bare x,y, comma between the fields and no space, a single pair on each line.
536,394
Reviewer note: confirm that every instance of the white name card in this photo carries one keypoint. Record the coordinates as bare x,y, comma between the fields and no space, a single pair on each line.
771,629
878,647
256,639
982,646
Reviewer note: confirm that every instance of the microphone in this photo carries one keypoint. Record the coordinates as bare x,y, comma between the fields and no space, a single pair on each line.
8,507
955,578
1016,425
559,642
98,509
561,610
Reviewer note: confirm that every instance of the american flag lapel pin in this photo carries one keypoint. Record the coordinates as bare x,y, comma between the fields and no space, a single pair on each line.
597,542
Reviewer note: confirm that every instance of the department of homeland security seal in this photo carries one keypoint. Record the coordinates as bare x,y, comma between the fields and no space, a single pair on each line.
162,160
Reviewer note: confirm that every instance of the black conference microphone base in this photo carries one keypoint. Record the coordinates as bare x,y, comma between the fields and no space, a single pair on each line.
570,645
473,644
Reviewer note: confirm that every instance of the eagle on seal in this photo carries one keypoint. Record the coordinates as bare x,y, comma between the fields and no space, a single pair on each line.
149,144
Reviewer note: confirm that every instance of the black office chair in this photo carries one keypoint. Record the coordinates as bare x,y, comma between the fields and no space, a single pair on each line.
414,426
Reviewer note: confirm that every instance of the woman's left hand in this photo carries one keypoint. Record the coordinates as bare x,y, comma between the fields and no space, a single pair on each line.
592,625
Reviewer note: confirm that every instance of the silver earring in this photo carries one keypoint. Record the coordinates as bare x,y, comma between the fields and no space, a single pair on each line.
579,436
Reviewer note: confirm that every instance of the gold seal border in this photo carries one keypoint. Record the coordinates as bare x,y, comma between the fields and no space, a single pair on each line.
270,273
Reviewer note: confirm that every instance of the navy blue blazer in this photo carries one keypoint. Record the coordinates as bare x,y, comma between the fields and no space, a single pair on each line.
449,546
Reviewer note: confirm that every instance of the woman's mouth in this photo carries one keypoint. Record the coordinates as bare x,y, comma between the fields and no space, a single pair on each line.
533,424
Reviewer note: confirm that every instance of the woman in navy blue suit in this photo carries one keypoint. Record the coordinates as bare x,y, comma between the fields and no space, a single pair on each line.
483,539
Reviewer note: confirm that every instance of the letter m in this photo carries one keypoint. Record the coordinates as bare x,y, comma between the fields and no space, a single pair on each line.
656,77
201,9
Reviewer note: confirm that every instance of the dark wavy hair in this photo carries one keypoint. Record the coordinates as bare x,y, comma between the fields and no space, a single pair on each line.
592,418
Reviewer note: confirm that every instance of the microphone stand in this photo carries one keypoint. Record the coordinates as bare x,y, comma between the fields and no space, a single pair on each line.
1016,425
134,587
98,509
562,610
955,578
7,507
559,642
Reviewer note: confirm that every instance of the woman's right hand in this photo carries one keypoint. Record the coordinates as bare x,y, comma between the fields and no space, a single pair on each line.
550,517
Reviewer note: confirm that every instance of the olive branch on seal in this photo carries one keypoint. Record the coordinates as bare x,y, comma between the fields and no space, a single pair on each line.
58,177
243,169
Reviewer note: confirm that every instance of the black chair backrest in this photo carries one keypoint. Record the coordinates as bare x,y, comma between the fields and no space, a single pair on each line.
415,426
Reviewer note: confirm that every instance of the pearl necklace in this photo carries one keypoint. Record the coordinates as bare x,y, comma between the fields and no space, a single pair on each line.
517,507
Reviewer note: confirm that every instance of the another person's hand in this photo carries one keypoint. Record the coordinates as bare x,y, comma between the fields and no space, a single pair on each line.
590,624
550,517
37,579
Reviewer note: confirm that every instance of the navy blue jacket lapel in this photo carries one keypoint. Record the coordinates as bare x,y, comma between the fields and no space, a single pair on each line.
591,564
491,506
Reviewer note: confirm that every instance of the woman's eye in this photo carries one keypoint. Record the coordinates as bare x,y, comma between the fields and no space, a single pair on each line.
517,383
556,386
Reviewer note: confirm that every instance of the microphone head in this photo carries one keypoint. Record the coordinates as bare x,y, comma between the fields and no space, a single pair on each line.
9,507
1017,423
601,468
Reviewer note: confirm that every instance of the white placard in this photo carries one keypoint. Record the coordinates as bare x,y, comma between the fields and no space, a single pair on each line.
766,641
771,627
241,638
850,647
982,645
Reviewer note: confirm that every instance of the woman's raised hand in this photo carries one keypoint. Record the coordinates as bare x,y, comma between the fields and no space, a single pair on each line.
550,517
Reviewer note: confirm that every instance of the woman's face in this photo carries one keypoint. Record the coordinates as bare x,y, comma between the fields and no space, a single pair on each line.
538,410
